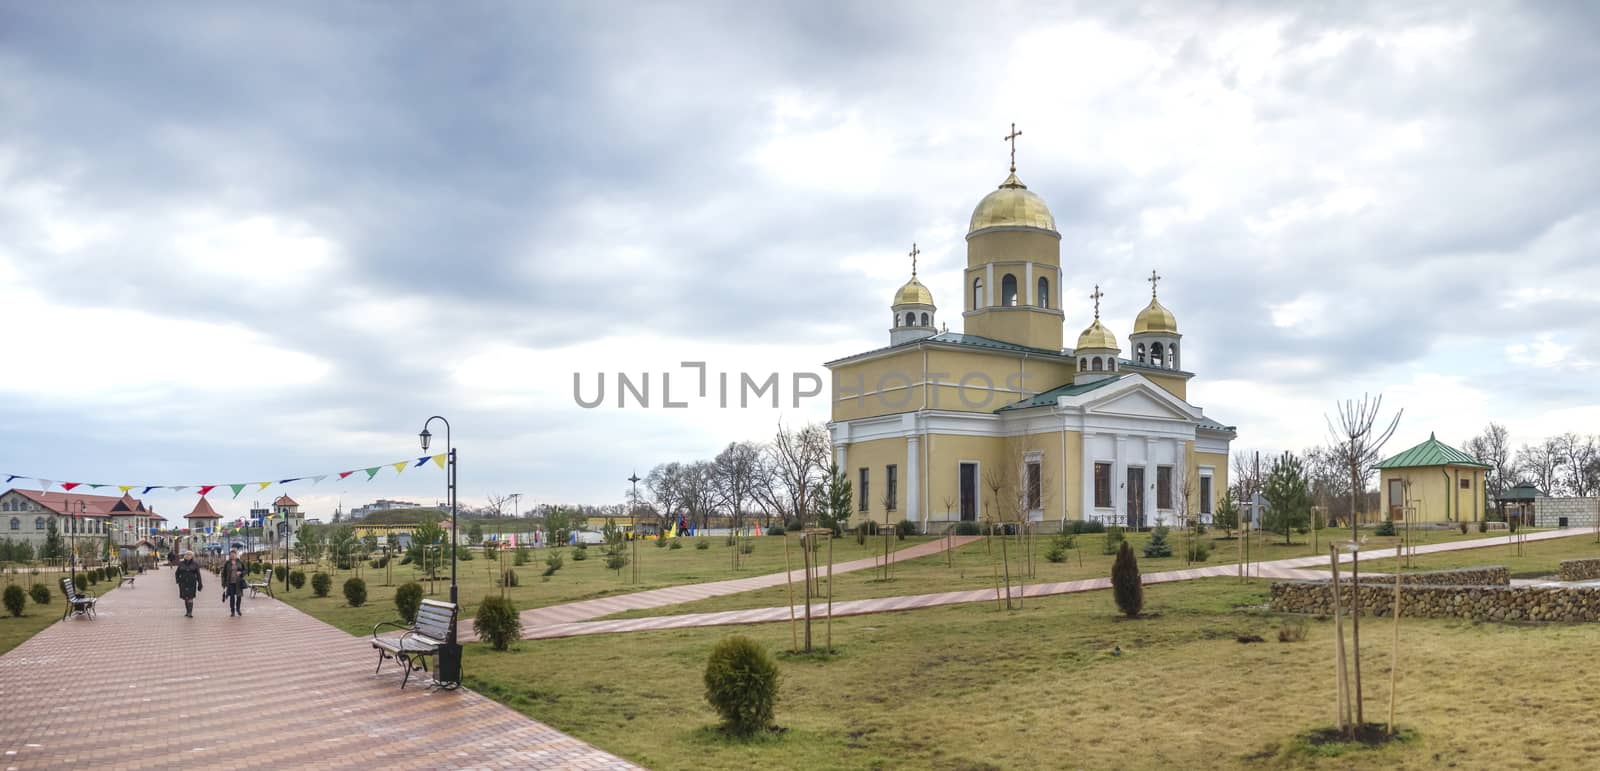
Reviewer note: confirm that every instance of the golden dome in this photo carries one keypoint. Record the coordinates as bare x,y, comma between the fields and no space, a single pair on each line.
1155,318
1097,336
913,293
1013,205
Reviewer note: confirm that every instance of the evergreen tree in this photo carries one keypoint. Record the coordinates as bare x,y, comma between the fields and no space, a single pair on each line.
475,533
52,542
1158,546
1288,497
1126,586
836,499
1226,516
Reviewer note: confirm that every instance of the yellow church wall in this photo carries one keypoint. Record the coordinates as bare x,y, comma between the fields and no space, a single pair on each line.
1003,456
1176,386
945,454
880,386
1012,375
1022,325
1436,492
1219,474
1010,245
876,456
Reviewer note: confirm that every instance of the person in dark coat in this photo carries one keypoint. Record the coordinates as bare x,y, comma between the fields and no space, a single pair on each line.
234,582
189,583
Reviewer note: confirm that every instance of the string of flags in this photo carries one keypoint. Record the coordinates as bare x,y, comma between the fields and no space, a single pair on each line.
45,485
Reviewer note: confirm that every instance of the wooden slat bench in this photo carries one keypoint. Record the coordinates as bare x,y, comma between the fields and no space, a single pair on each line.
420,640
263,584
77,603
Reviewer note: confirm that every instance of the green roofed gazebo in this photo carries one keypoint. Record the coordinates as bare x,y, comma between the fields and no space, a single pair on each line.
1441,483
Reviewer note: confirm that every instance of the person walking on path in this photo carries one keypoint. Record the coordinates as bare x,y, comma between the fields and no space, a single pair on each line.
233,583
189,584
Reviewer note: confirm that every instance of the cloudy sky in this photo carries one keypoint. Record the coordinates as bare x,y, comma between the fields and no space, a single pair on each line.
249,242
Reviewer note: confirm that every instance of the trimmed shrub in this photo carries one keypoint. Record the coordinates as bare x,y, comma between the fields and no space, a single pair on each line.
552,563
320,583
775,530
297,579
742,684
16,600
904,528
1059,546
1080,527
1114,539
1483,525
1385,527
41,595
793,525
676,543
1157,546
407,599
508,577
1125,583
616,561
702,544
1198,550
464,555
1463,528
747,548
967,528
661,543
80,581
520,556
280,572
580,553
497,622
355,592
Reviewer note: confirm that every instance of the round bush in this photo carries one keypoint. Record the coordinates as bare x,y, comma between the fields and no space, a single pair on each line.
497,622
967,528
407,599
16,599
905,527
775,530
280,572
355,592
675,544
297,579
742,684
702,544
80,580
508,577
320,583
41,595
580,554
1386,527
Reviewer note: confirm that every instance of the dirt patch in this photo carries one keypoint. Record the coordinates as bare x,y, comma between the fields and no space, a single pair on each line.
1329,741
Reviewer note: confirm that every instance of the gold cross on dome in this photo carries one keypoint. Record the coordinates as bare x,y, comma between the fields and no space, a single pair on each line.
1012,138
1096,295
914,252
1153,279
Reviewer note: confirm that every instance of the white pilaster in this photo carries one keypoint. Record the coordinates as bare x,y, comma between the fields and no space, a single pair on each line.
1119,481
914,478
1150,465
1029,294
1086,444
988,285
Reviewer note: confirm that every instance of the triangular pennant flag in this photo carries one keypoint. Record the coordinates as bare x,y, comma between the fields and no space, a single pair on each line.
69,485
422,460
149,488
236,489
318,478
206,490
263,485
181,488
287,481
399,467
372,472
439,459
125,488
44,485
96,487
344,474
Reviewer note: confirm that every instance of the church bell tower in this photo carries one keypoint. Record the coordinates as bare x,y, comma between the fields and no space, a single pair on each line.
1013,275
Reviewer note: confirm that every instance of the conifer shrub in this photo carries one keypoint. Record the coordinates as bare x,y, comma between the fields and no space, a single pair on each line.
1114,539
776,530
508,578
552,563
321,583
41,595
904,528
676,543
1126,586
297,579
1157,546
1483,525
742,684
497,622
1059,547
701,544
661,543
1385,527
280,572
16,600
580,553
355,592
407,599
1198,550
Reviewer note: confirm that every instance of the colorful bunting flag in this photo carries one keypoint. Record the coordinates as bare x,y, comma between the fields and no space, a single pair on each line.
10,477
439,459
287,481
44,485
318,478
344,474
236,489
206,490
263,486
181,488
148,489
422,460
125,488
69,485
372,472
400,467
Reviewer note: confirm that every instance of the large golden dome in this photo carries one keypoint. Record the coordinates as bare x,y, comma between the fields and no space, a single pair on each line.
1097,336
913,293
1013,205
1155,318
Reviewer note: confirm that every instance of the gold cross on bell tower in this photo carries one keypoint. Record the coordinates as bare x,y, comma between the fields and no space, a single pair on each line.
1012,138
1154,277
1096,295
914,252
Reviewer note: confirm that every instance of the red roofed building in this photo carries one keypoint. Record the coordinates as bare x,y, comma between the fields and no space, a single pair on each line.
25,515
202,518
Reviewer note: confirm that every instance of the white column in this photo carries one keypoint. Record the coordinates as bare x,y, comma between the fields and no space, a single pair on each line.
1151,464
1087,443
1119,481
914,478
988,285
840,457
1029,293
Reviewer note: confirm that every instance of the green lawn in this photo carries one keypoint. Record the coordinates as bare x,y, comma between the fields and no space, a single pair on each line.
1538,558
971,687
974,566
576,580
15,631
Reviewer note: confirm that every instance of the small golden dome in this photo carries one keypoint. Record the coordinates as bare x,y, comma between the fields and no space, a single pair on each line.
1097,336
1155,318
913,293
1013,205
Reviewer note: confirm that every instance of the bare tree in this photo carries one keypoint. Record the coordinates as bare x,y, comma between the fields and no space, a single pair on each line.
733,475
1493,447
1579,455
1358,444
496,507
699,493
665,485
799,460
768,491
1541,464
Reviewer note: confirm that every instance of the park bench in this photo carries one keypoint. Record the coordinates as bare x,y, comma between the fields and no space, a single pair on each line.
420,640
127,578
263,584
77,604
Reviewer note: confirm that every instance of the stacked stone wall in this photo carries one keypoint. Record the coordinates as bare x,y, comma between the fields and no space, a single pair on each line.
1579,512
1579,570
1496,575
1484,603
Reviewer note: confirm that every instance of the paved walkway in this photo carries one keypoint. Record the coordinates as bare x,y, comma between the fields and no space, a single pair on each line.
143,687
1296,568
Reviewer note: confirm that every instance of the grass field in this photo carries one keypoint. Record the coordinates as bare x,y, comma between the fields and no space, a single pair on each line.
15,631
1538,558
971,687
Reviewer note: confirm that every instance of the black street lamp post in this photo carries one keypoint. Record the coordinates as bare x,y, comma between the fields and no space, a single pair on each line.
449,674
83,508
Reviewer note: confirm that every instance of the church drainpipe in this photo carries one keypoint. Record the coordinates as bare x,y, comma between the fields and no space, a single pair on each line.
1449,492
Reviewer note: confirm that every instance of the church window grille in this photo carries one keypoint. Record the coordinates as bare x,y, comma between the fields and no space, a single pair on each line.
891,482
1034,486
861,503
1083,365
1008,291
1098,364
1102,485
1205,495
1164,487
1156,357
977,293
1044,292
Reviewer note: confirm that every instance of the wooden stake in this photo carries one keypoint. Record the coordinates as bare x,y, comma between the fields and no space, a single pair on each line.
830,591
1341,705
1394,657
1355,630
805,557
788,578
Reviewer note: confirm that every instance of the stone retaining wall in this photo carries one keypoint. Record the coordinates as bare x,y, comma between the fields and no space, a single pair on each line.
1497,575
1579,512
1579,570
1486,603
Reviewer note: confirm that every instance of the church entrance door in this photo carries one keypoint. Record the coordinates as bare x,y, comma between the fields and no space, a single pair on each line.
1136,498
969,492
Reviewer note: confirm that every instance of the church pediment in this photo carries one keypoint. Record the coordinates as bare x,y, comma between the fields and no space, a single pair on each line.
1138,398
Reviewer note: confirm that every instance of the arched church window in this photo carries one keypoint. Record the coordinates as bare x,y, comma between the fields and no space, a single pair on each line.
1097,364
1156,356
1083,365
1008,291
1138,353
924,319
977,293
38,524
1044,292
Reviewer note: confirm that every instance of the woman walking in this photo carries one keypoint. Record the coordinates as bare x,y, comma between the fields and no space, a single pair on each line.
189,584
234,583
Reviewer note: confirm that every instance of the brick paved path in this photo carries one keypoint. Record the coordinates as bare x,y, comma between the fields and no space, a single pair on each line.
1296,568
143,687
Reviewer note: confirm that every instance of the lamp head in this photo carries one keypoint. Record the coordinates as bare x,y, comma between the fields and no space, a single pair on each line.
425,437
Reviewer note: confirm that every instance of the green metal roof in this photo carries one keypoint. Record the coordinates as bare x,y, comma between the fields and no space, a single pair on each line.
1432,453
956,338
1523,491
1048,398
